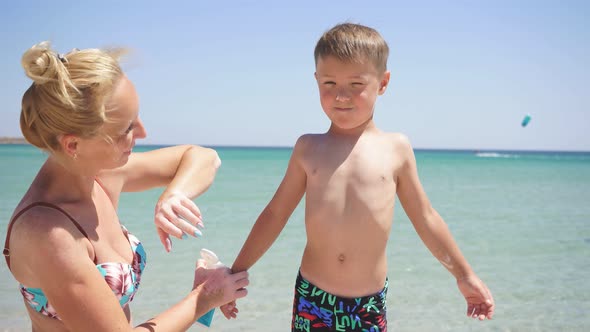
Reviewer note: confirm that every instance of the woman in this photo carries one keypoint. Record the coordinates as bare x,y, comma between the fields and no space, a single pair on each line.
77,266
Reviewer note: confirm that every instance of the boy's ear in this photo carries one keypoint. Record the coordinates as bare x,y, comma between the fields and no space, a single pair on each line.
315,75
384,82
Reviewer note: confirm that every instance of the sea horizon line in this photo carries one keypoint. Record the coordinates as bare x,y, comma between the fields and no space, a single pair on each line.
287,147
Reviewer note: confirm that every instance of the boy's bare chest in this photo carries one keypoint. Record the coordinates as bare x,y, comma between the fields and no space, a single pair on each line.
357,169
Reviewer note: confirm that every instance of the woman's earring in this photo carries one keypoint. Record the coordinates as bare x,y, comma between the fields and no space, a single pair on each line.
75,156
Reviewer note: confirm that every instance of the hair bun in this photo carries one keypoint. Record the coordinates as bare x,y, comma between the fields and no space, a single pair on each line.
41,63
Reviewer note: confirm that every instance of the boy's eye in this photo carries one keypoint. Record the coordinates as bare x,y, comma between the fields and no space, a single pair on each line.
329,83
357,84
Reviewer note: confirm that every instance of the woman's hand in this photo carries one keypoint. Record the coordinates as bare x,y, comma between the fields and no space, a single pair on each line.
177,215
218,286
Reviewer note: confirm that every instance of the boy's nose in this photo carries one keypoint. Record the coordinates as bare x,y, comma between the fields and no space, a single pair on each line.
342,96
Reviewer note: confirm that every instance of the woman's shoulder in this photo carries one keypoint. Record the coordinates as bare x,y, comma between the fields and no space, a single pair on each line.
48,251
40,230
42,222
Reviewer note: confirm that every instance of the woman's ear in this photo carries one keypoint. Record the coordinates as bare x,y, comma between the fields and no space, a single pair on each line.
69,145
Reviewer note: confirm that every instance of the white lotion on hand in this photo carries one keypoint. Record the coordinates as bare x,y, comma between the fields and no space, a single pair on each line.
211,262
210,258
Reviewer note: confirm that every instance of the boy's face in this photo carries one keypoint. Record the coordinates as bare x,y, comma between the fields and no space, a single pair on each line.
348,90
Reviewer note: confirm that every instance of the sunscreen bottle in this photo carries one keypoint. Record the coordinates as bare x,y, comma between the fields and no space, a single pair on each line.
211,262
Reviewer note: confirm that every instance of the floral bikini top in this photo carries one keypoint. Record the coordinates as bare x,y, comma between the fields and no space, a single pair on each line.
122,278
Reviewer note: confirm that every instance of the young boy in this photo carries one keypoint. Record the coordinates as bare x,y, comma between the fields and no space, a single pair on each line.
350,176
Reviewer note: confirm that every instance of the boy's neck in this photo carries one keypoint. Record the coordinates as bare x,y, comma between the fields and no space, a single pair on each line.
368,126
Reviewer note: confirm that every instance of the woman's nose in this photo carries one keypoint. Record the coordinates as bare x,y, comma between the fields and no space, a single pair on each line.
140,132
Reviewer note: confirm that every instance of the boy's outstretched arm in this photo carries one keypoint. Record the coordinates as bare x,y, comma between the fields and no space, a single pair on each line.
436,236
273,218
275,215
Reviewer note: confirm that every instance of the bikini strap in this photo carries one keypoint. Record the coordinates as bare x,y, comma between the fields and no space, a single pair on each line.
6,251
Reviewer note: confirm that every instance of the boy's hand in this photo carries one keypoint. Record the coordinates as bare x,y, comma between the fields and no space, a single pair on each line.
229,310
480,303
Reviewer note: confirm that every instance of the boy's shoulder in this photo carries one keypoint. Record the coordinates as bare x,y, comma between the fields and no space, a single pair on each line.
397,138
394,142
307,139
311,136
401,143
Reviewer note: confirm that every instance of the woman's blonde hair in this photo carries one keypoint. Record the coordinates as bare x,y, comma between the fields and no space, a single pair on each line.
68,93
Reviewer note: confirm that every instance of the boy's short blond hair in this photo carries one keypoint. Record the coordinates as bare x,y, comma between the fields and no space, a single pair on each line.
351,42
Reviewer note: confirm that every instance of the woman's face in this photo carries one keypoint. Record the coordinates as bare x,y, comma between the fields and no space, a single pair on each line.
123,126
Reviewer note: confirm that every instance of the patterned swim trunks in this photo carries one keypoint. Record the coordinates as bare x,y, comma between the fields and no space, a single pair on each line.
317,310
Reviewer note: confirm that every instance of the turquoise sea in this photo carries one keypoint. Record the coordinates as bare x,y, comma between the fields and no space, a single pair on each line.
522,219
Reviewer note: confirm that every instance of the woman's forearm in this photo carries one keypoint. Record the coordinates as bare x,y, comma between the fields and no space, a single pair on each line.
179,317
195,172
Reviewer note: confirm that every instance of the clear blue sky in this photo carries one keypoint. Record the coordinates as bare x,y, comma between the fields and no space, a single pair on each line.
464,73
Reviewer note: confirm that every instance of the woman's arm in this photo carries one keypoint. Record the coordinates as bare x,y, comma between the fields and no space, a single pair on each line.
212,287
78,292
186,170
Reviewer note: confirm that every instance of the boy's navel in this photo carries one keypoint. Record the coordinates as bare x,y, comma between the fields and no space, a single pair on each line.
341,258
